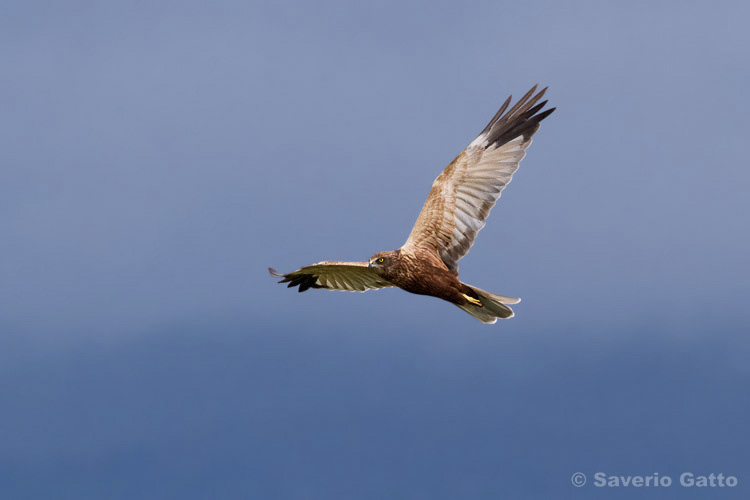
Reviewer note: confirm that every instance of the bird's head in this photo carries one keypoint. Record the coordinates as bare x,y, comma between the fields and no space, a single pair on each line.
382,262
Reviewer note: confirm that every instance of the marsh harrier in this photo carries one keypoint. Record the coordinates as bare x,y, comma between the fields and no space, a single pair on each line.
456,209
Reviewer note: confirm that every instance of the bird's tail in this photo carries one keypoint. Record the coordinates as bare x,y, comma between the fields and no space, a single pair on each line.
493,306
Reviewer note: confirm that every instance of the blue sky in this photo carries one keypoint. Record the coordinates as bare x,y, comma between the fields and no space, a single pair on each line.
156,159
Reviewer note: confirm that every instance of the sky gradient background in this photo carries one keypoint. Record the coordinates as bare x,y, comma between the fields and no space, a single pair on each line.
156,159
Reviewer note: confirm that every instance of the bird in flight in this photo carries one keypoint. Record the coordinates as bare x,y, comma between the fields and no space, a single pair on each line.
455,211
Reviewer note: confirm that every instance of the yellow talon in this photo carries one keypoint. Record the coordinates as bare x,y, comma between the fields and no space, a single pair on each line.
474,301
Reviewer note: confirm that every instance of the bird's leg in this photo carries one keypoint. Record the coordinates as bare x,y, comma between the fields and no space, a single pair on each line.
474,301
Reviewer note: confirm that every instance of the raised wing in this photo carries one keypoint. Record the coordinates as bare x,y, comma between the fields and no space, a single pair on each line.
331,275
464,193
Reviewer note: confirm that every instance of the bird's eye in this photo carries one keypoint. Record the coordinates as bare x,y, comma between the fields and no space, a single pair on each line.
380,260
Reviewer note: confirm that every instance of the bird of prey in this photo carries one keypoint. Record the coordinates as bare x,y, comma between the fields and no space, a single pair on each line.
456,209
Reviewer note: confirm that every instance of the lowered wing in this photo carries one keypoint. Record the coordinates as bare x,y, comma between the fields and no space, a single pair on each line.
331,275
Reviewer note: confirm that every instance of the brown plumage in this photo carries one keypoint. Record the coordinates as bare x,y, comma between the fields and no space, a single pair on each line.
455,211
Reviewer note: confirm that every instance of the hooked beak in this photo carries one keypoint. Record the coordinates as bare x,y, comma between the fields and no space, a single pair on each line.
369,263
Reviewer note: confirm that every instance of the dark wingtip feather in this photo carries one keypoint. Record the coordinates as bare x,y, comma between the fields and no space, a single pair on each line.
303,281
521,119
498,114
544,114
535,109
